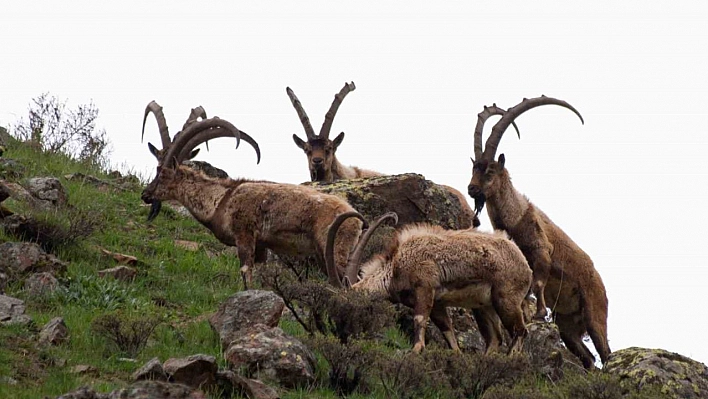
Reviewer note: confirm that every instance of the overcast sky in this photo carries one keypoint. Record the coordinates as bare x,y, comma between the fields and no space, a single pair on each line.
629,186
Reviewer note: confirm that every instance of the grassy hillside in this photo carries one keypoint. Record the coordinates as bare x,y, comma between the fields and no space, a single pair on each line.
180,288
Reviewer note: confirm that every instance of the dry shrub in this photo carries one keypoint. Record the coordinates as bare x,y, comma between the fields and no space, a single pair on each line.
320,308
53,229
129,333
350,364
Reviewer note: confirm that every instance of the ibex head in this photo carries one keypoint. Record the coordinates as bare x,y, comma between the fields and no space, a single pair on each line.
181,149
486,171
319,148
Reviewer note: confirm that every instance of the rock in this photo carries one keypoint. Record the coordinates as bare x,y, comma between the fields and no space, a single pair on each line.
21,258
252,389
140,390
122,273
41,283
546,351
83,369
48,189
54,333
12,311
3,281
269,354
194,371
152,370
21,194
207,168
678,376
413,198
188,245
244,310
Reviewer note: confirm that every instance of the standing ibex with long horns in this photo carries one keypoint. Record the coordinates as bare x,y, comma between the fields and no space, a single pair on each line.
563,274
430,269
194,115
250,215
321,151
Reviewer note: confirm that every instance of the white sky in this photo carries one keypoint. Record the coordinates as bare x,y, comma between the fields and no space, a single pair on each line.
627,186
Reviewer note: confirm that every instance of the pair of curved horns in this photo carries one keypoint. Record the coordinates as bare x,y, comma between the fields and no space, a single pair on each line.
329,117
352,269
507,118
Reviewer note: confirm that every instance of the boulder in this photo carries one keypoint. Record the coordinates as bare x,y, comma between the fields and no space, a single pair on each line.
678,376
244,310
12,311
252,389
41,283
152,370
194,371
54,333
207,168
268,354
22,258
48,189
140,390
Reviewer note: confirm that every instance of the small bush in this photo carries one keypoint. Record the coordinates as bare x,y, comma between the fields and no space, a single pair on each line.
53,229
129,333
320,308
349,364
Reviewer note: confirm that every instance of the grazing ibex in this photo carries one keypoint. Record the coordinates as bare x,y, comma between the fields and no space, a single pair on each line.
430,269
321,151
563,274
251,215
196,113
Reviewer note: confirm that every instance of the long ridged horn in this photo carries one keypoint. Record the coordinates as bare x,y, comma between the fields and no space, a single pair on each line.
352,271
195,114
309,131
156,110
179,148
214,134
332,272
329,117
490,148
481,119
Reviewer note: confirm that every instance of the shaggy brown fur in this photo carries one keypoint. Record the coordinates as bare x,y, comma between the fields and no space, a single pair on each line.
564,275
254,216
430,269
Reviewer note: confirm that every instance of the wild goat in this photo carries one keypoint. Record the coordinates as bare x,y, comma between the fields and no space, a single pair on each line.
321,151
251,215
429,269
563,275
196,113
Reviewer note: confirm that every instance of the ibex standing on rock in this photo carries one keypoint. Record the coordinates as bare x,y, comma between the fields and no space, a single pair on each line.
159,154
563,274
430,269
250,215
321,151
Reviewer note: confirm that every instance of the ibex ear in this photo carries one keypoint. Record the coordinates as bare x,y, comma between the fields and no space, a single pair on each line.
298,142
194,153
472,159
338,140
501,160
152,149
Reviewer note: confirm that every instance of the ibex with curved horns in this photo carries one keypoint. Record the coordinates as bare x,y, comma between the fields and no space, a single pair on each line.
321,151
563,274
196,113
250,215
429,269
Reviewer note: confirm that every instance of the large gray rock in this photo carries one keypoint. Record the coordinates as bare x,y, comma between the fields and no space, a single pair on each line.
140,390
19,259
12,311
194,371
54,332
244,310
47,189
41,283
268,354
678,376
152,370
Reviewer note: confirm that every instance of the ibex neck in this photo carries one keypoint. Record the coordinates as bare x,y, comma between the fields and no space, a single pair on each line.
506,206
200,195
340,172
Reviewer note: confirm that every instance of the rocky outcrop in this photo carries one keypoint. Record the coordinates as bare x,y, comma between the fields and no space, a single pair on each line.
207,168
140,390
54,332
41,284
194,371
678,376
20,259
152,370
252,389
47,189
269,354
12,311
243,310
